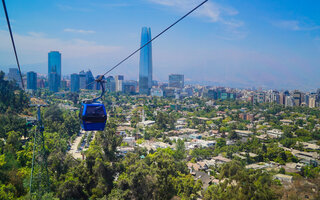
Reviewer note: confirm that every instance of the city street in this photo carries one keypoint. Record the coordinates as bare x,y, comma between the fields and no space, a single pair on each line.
74,148
73,151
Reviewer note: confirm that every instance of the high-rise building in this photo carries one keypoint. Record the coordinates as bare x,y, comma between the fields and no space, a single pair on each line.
282,98
82,80
312,101
289,101
297,97
89,79
53,82
110,84
41,83
31,80
14,75
176,80
119,83
54,70
305,100
145,68
318,95
259,97
75,83
213,94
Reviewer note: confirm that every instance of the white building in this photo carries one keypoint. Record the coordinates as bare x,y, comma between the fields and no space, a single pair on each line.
146,123
119,83
129,140
283,178
243,133
275,133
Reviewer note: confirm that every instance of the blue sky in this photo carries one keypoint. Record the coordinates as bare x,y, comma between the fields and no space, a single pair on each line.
261,43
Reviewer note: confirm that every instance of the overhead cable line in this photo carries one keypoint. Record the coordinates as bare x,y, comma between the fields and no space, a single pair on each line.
165,30
12,40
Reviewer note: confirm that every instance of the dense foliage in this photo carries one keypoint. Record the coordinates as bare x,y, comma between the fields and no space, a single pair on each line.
105,173
12,99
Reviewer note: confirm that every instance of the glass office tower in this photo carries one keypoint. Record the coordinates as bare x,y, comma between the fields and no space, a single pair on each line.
145,68
83,80
75,83
54,70
14,75
89,79
31,80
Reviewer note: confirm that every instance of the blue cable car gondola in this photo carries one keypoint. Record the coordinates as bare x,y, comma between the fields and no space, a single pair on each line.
93,114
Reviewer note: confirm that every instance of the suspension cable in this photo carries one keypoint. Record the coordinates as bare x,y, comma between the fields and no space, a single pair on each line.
165,30
12,40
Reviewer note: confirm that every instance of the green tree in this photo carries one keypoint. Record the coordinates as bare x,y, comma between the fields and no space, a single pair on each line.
180,152
71,189
13,143
221,142
109,141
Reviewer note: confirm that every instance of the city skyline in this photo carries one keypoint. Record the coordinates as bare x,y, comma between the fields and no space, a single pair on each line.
224,43
176,89
84,82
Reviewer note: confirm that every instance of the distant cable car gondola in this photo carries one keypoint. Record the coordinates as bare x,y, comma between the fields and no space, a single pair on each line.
93,114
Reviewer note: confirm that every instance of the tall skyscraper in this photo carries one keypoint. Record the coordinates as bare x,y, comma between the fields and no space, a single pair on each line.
14,75
176,80
75,83
82,80
31,80
145,68
297,97
54,70
53,82
110,84
282,98
119,83
89,79
312,101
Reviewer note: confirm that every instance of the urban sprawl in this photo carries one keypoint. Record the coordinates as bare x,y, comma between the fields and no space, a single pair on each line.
162,140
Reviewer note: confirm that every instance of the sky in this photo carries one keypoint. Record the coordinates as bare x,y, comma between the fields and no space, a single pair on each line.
262,43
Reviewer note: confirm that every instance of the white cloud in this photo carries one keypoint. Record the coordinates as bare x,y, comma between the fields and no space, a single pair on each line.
295,25
78,31
33,48
231,28
212,11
